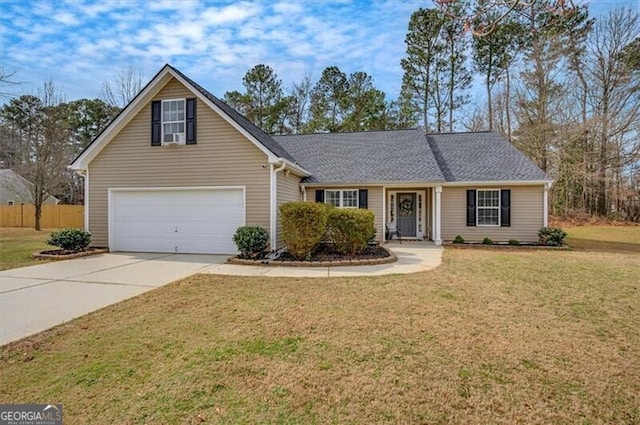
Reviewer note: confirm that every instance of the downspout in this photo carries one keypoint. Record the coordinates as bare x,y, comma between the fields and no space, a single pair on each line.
303,189
85,175
274,204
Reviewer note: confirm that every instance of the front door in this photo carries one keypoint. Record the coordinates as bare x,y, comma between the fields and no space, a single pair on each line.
406,208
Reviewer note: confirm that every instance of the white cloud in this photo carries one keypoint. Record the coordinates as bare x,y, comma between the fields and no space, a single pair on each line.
65,18
230,14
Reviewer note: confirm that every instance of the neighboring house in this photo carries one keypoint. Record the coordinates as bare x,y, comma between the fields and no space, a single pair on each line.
178,171
15,190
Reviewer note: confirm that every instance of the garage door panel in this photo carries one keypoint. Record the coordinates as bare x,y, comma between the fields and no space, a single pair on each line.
184,220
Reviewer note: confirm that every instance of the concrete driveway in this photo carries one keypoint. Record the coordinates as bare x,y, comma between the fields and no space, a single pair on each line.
36,298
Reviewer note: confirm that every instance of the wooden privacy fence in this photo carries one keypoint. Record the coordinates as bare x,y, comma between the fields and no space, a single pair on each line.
53,216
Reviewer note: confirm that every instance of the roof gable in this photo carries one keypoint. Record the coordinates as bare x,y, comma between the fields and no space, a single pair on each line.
254,134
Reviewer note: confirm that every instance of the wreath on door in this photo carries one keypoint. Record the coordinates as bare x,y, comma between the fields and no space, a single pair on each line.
406,206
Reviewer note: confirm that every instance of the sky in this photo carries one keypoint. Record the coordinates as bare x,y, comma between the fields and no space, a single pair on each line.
80,44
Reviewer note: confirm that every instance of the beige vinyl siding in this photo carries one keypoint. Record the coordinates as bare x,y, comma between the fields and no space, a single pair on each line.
526,215
288,191
374,203
221,157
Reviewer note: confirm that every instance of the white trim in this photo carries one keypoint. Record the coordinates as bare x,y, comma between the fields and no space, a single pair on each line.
273,204
384,213
162,122
499,183
387,204
499,207
545,206
86,200
111,190
433,213
422,185
341,190
437,201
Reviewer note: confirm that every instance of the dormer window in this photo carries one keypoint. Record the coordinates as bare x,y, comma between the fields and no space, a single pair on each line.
173,122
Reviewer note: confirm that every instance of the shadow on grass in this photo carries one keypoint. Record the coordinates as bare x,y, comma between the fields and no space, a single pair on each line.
578,244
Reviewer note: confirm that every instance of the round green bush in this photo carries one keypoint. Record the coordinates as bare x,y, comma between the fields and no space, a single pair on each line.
552,236
70,239
251,241
514,242
303,226
350,229
458,239
487,241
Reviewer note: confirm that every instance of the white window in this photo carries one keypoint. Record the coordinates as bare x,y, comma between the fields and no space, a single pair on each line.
488,207
10,203
173,121
342,198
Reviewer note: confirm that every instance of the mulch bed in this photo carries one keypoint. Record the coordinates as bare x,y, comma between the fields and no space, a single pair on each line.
503,246
327,253
64,254
326,256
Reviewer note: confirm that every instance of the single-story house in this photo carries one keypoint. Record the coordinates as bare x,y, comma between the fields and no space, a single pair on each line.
16,190
178,170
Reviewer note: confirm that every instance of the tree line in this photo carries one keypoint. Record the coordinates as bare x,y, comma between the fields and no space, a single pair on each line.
560,85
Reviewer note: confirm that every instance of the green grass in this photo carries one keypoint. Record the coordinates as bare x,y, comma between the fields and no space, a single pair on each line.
604,238
489,337
17,246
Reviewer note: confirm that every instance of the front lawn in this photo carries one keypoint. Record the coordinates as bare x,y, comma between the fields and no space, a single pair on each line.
490,337
604,238
17,246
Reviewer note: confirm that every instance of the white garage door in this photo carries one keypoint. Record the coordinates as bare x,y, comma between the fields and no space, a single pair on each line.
197,221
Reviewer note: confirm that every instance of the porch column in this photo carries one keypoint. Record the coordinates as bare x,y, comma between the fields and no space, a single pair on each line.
384,214
545,212
437,239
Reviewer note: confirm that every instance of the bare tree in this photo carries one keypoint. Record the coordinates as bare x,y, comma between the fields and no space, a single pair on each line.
614,97
6,80
123,88
491,13
36,129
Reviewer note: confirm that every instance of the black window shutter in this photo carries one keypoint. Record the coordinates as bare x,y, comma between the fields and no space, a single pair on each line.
320,196
156,122
505,207
363,195
471,207
191,121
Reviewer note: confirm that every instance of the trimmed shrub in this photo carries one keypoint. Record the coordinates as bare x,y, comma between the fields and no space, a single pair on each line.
70,239
552,236
303,225
458,239
251,241
350,229
487,241
514,242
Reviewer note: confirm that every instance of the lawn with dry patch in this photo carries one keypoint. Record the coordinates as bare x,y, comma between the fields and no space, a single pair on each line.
531,337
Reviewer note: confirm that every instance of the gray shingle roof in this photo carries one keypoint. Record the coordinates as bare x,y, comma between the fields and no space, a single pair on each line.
409,156
250,127
482,156
364,157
